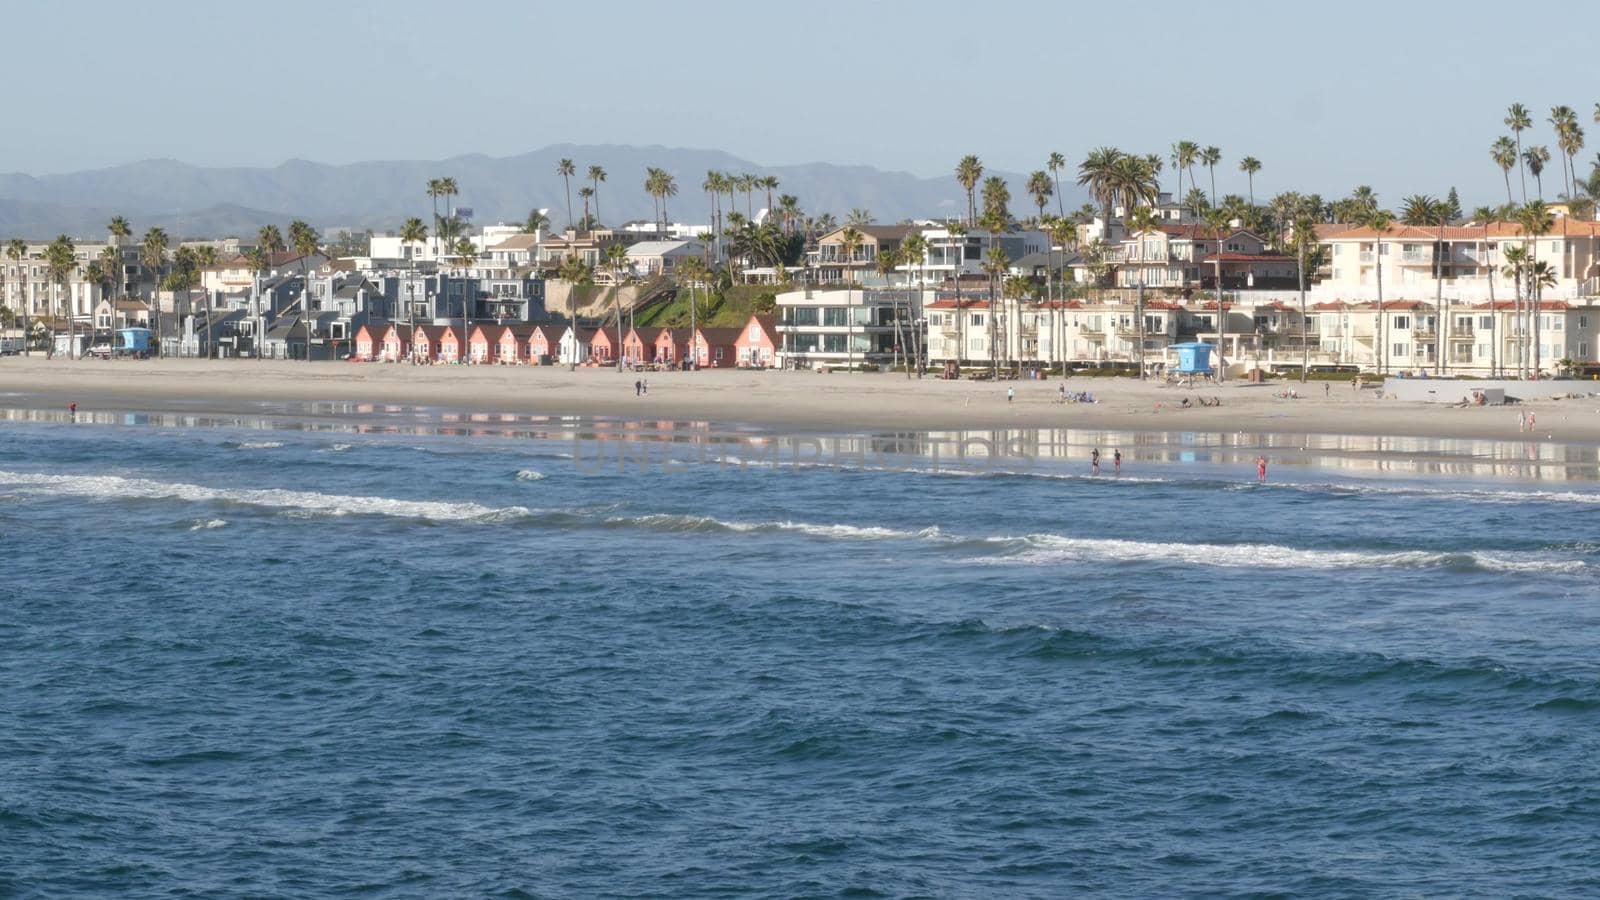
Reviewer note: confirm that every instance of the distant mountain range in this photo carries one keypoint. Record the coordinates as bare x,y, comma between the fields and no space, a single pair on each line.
198,201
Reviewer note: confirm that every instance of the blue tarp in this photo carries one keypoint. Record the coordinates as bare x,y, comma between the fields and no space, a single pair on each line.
133,340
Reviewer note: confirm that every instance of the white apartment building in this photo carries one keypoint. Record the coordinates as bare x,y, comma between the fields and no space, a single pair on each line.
845,327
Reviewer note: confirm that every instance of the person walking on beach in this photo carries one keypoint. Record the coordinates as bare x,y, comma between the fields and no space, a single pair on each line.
1261,469
1011,394
638,387
1522,420
645,386
1327,390
1116,461
1094,461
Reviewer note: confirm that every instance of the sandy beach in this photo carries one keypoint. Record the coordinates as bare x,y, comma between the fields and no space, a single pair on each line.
793,400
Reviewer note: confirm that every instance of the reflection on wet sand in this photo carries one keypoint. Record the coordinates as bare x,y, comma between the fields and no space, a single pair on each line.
703,442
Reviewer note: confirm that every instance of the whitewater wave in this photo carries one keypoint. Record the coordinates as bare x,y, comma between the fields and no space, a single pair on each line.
1050,549
111,487
336,448
253,445
530,475
691,523
207,524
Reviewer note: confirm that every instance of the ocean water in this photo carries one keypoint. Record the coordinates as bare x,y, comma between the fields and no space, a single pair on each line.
401,653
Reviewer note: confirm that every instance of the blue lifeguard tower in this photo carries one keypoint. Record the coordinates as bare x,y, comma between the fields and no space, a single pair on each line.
133,342
1194,358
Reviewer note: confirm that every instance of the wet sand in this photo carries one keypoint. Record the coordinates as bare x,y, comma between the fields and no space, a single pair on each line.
786,400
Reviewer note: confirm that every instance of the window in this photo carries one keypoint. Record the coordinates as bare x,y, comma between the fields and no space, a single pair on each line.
1483,350
835,316
803,316
1583,350
1402,322
1486,322
755,331
977,319
1583,321
1401,350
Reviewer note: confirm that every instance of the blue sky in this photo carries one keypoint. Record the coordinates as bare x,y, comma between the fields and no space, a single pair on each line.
1404,96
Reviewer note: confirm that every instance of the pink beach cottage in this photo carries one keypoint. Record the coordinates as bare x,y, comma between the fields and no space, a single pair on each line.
640,345
513,344
369,339
603,346
396,343
483,343
544,344
672,346
714,347
757,346
436,343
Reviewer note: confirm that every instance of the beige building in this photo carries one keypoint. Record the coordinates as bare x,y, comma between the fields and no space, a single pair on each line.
1463,263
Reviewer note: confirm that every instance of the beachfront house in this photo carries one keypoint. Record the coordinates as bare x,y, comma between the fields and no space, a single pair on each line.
544,344
576,345
639,345
395,344
757,345
603,346
715,348
843,327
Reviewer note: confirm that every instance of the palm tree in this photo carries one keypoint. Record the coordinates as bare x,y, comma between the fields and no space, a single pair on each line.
1536,221
269,240
713,188
537,221
850,240
995,265
1098,172
153,254
1210,156
1184,155
1141,221
1250,166
747,184
617,261
1040,187
566,170
597,174
60,259
16,249
958,242
1217,221
110,265
859,218
1519,120
435,191
1505,154
1541,275
1135,181
447,190
668,187
1055,164
1484,215
770,182
584,193
1535,157
1563,120
120,230
1062,233
1380,220
969,171
885,264
413,232
304,239
914,251
1516,267
579,274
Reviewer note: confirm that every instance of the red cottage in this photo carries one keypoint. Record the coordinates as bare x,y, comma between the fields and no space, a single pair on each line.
640,345
714,347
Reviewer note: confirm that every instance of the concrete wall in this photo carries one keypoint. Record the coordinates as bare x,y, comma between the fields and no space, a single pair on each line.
1453,390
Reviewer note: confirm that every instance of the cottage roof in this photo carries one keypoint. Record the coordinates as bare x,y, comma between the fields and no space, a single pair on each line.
719,335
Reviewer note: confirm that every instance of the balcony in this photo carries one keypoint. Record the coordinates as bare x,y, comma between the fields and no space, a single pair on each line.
1424,333
1417,258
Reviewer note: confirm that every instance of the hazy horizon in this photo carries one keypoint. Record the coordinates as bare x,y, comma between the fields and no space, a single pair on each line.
1316,97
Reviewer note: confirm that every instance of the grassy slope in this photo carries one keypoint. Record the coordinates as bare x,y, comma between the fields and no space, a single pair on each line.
729,310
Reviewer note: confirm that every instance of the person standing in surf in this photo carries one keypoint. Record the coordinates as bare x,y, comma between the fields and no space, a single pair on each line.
1116,461
1261,469
1094,461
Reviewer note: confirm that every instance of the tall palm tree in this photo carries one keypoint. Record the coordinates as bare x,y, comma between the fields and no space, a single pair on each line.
435,191
1516,268
120,230
1483,215
713,188
969,171
850,241
16,249
859,218
995,265
465,253
1536,157
153,255
1505,154
1055,164
958,242
1135,181
1141,221
1519,120
537,221
412,232
1040,187
1217,220
1184,155
1562,120
1380,221
60,260
269,240
747,184
667,188
1098,172
1063,232
597,174
304,239
914,251
584,193
1536,221
788,211
616,260
1250,166
448,190
770,182
111,264
1210,156
566,170
1541,275
579,274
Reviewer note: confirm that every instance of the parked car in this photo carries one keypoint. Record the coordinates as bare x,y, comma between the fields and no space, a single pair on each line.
100,351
